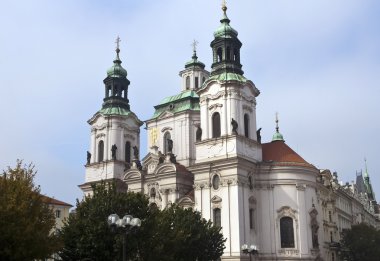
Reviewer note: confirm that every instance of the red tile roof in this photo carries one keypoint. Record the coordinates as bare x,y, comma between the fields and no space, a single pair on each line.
279,152
54,201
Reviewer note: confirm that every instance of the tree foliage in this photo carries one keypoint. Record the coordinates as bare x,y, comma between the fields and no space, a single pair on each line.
25,220
172,234
361,243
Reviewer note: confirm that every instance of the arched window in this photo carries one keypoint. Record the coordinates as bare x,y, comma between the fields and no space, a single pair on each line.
203,79
246,125
166,143
236,55
196,82
216,125
228,55
188,82
287,232
100,151
217,217
219,53
128,152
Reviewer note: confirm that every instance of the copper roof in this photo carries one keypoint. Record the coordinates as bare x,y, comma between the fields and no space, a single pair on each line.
54,201
279,152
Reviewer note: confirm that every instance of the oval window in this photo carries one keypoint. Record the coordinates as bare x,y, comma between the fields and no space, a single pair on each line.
215,182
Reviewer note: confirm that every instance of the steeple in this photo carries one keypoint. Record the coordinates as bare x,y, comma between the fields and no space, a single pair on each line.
277,135
194,74
226,48
116,84
367,183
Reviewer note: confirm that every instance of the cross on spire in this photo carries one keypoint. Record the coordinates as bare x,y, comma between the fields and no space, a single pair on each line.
277,122
117,42
194,45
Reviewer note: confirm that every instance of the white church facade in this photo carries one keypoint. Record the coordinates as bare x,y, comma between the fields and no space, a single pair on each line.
205,152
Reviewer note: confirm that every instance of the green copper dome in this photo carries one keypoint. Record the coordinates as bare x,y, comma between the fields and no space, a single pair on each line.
117,70
277,136
194,62
225,30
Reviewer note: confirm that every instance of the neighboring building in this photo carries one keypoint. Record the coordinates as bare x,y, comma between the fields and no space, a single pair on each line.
60,209
205,152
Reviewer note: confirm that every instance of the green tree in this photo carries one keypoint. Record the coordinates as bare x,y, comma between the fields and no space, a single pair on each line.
361,243
182,234
26,221
86,234
172,234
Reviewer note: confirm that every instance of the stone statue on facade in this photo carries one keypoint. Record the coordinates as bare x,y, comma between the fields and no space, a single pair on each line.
113,150
170,145
198,133
135,152
88,157
258,134
234,126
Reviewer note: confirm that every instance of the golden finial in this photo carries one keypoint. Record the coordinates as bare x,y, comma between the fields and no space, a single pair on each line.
224,5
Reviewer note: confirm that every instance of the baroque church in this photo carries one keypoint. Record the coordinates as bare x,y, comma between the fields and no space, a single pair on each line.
205,152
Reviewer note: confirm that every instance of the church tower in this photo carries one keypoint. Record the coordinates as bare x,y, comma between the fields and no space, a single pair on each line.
227,154
115,129
177,117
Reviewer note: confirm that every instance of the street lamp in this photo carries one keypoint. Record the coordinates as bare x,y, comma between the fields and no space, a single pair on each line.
127,223
251,250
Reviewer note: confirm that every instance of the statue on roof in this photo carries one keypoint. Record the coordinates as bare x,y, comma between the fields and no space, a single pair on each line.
170,145
234,126
198,133
113,150
135,152
258,134
88,157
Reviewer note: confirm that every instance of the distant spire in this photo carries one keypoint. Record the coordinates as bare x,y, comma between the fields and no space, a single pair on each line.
277,135
366,168
277,128
194,45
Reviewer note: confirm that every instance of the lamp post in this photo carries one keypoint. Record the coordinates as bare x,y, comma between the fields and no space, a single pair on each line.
251,250
127,223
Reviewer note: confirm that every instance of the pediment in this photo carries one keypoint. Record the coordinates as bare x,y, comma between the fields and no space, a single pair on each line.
132,174
166,114
216,199
165,168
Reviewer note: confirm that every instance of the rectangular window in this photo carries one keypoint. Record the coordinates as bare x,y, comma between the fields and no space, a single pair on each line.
217,217
58,213
251,226
196,82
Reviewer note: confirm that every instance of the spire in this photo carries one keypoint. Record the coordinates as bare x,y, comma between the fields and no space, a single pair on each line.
367,183
194,59
224,8
366,169
226,48
116,83
277,136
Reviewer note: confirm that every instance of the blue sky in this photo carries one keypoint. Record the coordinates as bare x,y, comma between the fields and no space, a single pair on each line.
315,62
